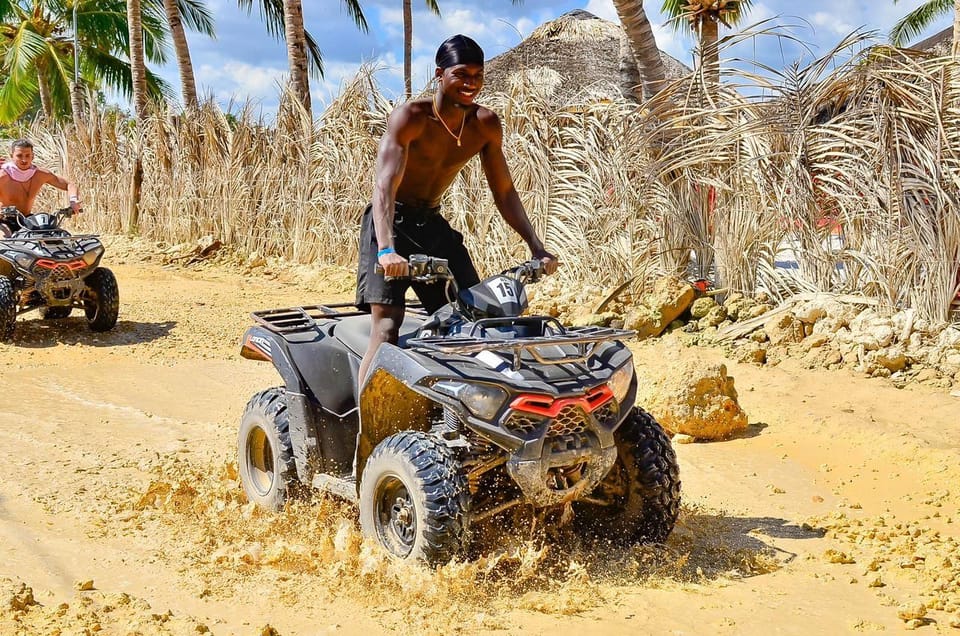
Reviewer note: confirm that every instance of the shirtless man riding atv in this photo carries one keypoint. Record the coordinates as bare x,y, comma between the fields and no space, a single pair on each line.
426,144
20,181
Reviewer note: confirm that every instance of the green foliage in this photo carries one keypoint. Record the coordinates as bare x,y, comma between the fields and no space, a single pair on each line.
914,23
683,16
271,12
37,49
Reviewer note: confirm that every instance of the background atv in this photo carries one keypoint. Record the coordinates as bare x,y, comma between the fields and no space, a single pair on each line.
44,267
478,410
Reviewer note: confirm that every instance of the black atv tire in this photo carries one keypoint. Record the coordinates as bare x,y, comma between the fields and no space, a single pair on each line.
101,301
268,472
414,499
8,309
643,487
55,313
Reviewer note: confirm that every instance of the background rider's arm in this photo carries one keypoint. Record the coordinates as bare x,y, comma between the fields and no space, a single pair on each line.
504,193
63,184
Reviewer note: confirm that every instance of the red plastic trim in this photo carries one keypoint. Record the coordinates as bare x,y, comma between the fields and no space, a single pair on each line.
549,407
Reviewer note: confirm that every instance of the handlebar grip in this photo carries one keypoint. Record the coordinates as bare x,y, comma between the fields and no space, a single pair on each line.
378,269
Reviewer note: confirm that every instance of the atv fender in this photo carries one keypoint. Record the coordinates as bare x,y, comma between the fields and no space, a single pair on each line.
317,435
390,401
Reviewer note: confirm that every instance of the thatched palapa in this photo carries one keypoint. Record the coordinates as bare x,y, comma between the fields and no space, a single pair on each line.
575,58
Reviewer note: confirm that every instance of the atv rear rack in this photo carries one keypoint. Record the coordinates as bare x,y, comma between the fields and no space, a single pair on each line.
295,319
44,240
585,339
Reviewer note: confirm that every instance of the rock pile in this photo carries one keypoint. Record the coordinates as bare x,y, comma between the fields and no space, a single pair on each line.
824,330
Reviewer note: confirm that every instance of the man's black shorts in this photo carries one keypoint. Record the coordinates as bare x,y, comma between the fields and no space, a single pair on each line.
415,231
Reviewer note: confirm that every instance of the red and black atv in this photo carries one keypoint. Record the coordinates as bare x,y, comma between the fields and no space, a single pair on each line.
478,410
44,267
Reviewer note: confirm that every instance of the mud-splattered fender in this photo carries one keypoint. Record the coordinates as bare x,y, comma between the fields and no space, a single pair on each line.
391,401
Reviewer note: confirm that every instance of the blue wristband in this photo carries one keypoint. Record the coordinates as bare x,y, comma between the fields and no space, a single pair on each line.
385,251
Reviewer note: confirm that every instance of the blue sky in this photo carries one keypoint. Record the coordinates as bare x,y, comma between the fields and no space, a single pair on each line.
245,63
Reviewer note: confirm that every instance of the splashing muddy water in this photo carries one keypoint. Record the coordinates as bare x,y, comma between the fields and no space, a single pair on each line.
317,546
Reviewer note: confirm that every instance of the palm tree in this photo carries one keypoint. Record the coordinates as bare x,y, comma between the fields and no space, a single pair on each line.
408,41
37,51
923,16
196,15
643,44
272,13
297,51
705,18
138,68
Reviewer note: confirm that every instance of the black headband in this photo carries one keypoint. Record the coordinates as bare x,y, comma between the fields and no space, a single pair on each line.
459,50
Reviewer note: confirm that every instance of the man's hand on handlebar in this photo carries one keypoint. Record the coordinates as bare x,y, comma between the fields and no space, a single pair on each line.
394,265
550,262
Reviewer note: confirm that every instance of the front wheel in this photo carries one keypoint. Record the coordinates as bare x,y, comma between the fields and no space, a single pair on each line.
414,498
8,309
268,472
101,301
641,494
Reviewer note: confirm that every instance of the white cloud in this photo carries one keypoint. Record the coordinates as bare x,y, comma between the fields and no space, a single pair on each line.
602,9
239,79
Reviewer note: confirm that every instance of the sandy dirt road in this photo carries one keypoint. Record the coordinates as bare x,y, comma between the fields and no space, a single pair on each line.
837,513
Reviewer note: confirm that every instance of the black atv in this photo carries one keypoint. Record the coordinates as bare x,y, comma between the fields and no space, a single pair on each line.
44,267
478,410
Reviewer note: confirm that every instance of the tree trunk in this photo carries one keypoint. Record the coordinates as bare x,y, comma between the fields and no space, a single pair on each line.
76,104
136,186
630,81
182,50
46,100
710,54
644,45
956,29
138,69
408,46
297,51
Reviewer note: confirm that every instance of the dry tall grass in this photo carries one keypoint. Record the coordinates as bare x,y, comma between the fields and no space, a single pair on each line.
864,140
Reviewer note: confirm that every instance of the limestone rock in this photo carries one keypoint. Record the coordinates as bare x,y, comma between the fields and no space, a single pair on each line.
16,595
714,317
784,329
702,306
751,352
697,400
892,359
593,320
669,298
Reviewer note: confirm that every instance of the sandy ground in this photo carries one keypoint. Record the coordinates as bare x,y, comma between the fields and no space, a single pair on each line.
120,510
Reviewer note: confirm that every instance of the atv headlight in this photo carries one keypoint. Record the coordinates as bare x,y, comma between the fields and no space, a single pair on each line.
91,257
25,261
620,381
483,400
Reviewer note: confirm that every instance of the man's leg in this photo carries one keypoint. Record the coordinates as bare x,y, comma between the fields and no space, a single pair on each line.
384,327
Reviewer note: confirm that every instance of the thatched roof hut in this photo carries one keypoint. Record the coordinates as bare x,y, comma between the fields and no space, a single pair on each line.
938,44
576,57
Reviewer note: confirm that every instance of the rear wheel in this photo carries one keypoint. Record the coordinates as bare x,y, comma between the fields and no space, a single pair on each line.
265,461
642,490
8,309
55,313
101,301
414,498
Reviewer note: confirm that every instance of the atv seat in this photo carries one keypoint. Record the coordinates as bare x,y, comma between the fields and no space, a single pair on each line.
355,331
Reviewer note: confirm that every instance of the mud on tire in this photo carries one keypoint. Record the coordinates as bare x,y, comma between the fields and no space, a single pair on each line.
414,499
101,301
8,309
642,489
265,461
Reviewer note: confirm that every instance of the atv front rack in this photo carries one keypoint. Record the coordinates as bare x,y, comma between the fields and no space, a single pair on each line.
295,319
584,338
